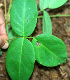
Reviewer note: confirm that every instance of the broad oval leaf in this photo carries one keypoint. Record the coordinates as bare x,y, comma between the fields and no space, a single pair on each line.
47,25
56,3
20,59
49,50
24,16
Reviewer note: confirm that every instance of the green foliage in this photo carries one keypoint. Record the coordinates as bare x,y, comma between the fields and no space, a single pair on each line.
12,35
43,4
20,59
7,29
49,50
0,52
51,4
56,3
47,25
23,16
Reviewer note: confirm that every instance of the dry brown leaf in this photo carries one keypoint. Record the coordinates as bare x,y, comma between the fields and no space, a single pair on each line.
3,33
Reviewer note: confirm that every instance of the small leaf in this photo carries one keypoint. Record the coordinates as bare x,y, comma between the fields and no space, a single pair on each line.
56,3
47,25
51,4
12,35
24,16
43,4
20,59
49,50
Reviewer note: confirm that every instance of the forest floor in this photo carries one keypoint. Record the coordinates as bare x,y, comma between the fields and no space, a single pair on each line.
61,29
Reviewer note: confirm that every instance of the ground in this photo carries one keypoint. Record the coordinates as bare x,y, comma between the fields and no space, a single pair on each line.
61,29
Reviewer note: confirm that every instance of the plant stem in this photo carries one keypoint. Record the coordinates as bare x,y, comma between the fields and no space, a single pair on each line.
8,11
40,17
56,16
8,24
60,15
5,8
41,10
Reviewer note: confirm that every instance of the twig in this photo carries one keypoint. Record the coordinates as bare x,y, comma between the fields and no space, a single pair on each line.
5,8
63,15
8,11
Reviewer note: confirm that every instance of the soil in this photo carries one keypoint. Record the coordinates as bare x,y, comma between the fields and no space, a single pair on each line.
61,29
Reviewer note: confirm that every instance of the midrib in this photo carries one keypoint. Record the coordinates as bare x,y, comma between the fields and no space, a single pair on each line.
21,53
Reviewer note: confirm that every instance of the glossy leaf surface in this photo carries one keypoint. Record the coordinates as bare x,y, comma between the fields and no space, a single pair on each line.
49,50
24,16
47,25
20,59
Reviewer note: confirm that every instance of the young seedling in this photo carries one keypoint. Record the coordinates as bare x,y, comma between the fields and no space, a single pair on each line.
47,49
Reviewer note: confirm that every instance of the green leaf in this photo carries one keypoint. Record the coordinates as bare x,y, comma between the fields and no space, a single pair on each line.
7,29
47,25
24,16
56,3
49,50
0,52
20,59
43,4
12,35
